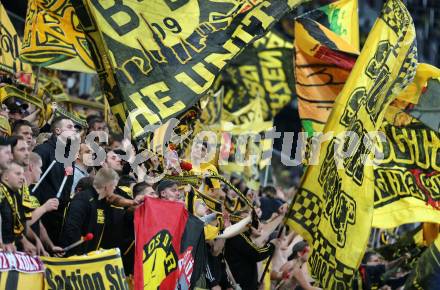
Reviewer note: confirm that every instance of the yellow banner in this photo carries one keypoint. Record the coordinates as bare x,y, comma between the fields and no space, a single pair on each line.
97,270
407,176
243,145
53,37
156,58
334,205
10,46
407,179
261,71
420,100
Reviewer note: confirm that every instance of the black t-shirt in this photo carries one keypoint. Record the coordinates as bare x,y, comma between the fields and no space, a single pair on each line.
373,276
9,220
242,256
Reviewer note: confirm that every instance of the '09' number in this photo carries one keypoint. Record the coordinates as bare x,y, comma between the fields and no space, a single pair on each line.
171,25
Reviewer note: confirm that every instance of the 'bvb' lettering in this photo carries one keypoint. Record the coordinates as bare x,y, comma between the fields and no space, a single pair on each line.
118,8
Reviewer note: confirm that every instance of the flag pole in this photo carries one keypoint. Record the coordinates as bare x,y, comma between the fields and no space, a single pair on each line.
37,78
44,175
266,175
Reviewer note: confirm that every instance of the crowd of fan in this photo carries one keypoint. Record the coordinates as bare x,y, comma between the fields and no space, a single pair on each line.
101,199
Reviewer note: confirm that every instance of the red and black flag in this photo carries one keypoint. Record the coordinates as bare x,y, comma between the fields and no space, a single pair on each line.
170,246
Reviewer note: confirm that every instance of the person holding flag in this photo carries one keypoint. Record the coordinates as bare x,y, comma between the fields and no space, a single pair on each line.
51,183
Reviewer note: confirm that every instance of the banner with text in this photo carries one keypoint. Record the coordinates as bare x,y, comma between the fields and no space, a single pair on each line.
333,208
97,270
156,58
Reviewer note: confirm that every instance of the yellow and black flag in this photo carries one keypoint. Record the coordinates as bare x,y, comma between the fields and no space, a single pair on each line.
242,142
333,208
212,109
407,172
53,37
264,70
421,99
25,94
156,58
407,178
10,46
326,48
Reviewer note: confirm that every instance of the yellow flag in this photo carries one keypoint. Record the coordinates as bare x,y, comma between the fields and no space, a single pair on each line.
261,71
420,100
10,46
26,95
53,37
334,205
156,58
242,140
407,179
407,176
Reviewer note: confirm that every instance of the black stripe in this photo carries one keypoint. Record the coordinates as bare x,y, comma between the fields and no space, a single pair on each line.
77,262
315,101
315,31
12,280
319,85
